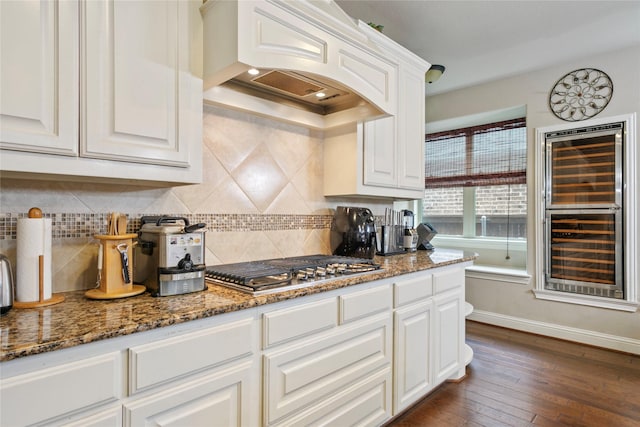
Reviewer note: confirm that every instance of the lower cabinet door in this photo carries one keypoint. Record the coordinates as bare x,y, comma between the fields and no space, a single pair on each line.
448,335
301,376
413,361
222,398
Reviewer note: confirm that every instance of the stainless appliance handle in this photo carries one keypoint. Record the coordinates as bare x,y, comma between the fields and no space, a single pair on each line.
172,218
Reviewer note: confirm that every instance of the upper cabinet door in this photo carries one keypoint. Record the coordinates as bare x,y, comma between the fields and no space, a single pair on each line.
138,93
380,152
411,131
39,76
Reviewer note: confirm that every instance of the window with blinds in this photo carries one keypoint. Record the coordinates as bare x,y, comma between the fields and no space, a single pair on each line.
475,180
491,154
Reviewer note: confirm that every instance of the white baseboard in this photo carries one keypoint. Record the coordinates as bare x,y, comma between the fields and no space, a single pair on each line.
612,342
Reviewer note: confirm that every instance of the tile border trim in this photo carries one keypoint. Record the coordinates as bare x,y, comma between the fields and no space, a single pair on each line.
83,225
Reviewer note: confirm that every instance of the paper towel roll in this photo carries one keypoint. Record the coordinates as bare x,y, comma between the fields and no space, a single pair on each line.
33,240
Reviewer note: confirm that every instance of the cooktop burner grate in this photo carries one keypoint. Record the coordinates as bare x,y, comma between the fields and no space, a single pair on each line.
256,276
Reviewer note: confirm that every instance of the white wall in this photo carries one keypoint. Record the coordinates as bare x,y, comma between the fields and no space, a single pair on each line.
514,303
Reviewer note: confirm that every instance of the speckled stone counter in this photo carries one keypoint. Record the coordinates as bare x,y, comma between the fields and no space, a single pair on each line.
79,320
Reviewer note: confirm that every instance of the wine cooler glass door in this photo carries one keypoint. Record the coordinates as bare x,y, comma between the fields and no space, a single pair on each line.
583,171
584,252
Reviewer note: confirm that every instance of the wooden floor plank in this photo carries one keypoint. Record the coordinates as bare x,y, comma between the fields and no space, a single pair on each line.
521,379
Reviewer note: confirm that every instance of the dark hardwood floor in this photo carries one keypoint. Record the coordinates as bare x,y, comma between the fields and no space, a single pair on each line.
520,379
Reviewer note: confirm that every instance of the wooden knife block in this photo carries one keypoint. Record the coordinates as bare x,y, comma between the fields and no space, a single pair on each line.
112,284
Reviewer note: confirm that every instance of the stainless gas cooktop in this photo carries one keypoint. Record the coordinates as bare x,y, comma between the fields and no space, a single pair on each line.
280,274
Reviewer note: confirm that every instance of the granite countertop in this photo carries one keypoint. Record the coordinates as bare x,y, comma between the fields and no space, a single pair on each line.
78,320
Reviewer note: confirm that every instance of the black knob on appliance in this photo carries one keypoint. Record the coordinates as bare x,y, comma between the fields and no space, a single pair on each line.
186,263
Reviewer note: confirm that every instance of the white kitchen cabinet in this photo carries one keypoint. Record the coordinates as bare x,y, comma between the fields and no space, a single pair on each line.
102,89
216,398
160,362
394,146
193,378
428,332
180,375
449,330
322,375
58,391
39,77
356,355
411,131
383,157
413,354
448,323
363,404
413,339
379,150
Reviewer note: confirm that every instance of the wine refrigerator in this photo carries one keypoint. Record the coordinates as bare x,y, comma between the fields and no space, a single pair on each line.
583,211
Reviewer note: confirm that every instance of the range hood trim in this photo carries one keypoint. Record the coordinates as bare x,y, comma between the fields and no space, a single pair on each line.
222,96
329,49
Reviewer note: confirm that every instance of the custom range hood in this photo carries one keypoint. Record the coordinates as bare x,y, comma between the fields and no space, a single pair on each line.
301,61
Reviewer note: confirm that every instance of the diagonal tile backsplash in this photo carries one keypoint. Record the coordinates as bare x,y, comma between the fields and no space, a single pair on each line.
261,197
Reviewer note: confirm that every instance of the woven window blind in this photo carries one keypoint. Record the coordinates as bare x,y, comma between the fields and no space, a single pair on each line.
491,154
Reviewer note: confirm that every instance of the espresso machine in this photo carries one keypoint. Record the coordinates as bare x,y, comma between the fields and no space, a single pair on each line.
353,232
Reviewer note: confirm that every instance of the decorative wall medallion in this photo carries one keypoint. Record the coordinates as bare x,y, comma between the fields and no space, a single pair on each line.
581,94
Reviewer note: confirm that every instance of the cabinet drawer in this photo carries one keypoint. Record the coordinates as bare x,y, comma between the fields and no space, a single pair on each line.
365,303
161,361
61,389
446,280
316,371
296,322
110,417
406,291
220,398
366,403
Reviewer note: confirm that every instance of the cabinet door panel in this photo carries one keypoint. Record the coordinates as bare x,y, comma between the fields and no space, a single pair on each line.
413,358
411,131
39,76
449,334
136,58
379,152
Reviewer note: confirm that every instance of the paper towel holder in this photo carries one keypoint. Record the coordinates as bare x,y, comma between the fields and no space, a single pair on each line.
41,302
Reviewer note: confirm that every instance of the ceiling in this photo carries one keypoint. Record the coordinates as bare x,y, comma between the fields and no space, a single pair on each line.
480,41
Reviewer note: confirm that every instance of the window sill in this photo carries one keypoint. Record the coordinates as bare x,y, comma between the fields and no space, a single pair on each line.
498,274
480,242
593,301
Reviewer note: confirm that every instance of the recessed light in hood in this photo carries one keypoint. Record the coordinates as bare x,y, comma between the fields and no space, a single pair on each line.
300,49
288,83
295,90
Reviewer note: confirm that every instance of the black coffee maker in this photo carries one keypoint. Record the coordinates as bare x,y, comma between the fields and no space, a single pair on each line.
353,232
